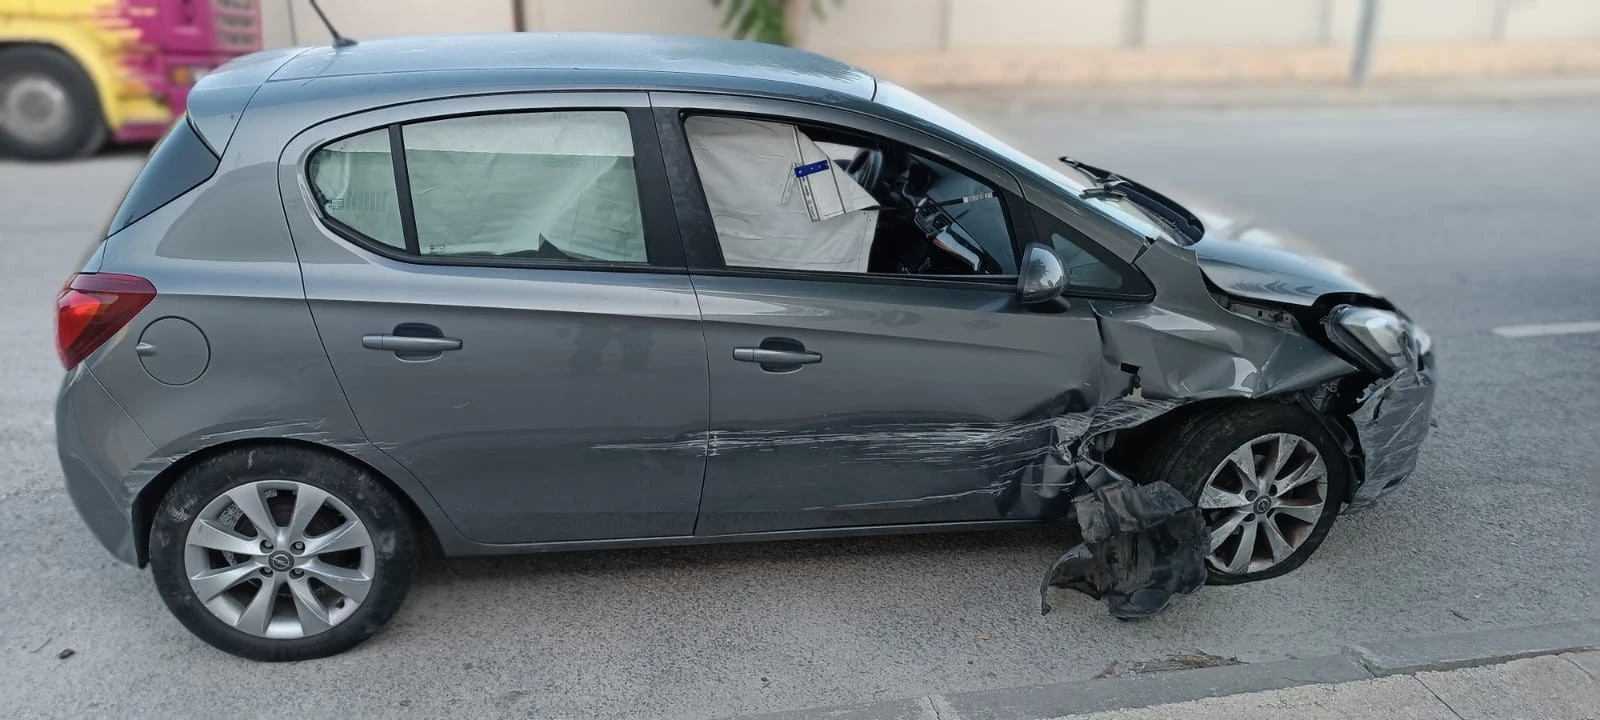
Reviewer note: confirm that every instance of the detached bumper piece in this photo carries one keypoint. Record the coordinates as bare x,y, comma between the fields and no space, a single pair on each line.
1391,421
1142,545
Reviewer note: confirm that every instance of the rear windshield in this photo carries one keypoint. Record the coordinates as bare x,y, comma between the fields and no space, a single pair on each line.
179,163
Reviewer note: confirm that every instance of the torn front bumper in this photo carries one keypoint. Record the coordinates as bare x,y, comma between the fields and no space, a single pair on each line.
1391,421
1142,546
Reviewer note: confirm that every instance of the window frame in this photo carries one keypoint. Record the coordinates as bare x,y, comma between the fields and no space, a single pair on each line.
701,246
658,218
1135,286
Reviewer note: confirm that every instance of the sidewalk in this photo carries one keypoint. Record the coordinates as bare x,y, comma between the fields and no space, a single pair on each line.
1550,687
1544,672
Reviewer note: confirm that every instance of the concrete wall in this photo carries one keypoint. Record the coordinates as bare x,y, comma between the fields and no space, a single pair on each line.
678,17
1018,41
291,22
939,25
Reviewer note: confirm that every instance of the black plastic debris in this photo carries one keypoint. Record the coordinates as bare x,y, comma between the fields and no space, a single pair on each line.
1142,545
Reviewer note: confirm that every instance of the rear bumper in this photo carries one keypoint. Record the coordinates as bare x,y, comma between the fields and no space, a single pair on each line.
1391,422
99,446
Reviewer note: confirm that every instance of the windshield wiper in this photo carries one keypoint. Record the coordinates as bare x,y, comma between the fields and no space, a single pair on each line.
1111,185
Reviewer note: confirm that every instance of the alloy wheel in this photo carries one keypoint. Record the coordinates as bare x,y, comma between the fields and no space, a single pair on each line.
279,559
1263,501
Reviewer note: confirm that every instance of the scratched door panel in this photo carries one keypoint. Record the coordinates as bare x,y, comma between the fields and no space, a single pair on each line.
927,405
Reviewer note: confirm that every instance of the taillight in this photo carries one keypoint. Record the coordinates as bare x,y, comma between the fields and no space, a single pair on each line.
92,308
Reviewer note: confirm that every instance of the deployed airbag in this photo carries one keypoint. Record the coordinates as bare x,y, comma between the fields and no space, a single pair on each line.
777,200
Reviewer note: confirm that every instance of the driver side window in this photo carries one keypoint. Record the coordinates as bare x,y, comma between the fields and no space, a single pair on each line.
804,198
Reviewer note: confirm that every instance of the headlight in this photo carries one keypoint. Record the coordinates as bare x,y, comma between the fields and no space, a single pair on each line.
1381,340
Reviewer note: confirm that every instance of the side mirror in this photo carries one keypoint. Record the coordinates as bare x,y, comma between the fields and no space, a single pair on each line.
1043,278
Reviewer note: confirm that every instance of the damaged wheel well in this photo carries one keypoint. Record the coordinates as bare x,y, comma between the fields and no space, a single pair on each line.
1133,444
150,497
1133,447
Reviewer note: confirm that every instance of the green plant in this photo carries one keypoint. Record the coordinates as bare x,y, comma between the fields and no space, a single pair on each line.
768,21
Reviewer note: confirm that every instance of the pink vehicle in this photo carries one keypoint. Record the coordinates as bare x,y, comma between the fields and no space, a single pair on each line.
76,73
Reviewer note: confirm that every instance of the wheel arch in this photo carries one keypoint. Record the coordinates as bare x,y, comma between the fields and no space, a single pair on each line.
150,497
1133,444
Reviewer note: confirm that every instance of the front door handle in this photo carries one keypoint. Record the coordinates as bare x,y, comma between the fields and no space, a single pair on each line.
776,357
406,343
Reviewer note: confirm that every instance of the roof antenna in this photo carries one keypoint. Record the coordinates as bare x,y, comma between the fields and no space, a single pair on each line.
339,41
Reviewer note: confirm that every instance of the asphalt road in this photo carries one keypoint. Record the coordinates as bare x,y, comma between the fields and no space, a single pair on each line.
1472,217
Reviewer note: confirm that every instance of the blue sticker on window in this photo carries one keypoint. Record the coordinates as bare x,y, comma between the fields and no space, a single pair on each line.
816,167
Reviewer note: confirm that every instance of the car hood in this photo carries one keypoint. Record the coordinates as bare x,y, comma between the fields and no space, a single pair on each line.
1250,261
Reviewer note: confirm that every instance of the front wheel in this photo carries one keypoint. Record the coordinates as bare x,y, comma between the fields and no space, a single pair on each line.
1268,480
282,553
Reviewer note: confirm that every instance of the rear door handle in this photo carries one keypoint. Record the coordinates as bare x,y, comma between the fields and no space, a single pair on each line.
407,343
767,356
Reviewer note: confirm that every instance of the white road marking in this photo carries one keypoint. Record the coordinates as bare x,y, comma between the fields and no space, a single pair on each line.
1572,328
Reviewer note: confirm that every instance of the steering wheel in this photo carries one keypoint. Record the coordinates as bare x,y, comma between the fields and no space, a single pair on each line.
866,168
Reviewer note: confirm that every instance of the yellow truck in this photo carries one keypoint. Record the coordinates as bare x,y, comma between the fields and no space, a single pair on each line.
75,74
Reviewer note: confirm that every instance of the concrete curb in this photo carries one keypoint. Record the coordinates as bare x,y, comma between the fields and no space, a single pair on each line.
1355,663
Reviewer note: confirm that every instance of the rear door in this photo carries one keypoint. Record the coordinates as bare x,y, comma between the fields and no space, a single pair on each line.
844,392
499,284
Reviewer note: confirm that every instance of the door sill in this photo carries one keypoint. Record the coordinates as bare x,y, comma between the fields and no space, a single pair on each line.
474,548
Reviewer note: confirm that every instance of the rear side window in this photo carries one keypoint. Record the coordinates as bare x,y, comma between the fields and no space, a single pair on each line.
556,185
354,181
178,164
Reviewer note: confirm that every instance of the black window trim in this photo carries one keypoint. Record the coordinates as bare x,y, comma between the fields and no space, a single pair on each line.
660,228
402,189
954,282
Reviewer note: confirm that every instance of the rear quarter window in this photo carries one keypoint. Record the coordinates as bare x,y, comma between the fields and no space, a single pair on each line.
178,164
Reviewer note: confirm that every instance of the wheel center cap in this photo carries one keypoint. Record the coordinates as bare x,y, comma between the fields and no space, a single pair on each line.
280,561
1262,506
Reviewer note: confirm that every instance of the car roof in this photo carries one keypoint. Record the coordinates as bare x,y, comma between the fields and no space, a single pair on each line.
600,58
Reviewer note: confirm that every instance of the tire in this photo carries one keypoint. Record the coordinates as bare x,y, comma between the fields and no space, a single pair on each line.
1186,455
71,123
372,578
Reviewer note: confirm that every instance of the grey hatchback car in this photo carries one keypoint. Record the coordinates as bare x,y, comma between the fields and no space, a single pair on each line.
525,293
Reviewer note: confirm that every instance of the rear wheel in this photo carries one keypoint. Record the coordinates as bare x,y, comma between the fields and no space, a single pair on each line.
49,109
1267,478
282,553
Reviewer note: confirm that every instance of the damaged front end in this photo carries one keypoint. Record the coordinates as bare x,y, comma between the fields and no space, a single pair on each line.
1344,356
1144,544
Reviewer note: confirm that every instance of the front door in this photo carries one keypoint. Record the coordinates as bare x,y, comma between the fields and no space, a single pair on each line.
870,362
852,404
496,291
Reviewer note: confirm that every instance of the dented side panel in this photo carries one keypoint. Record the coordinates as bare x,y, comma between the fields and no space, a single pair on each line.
928,404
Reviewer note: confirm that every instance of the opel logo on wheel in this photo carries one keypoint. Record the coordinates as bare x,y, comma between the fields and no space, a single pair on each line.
280,561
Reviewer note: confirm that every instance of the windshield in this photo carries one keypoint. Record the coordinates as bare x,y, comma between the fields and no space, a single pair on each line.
1072,181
